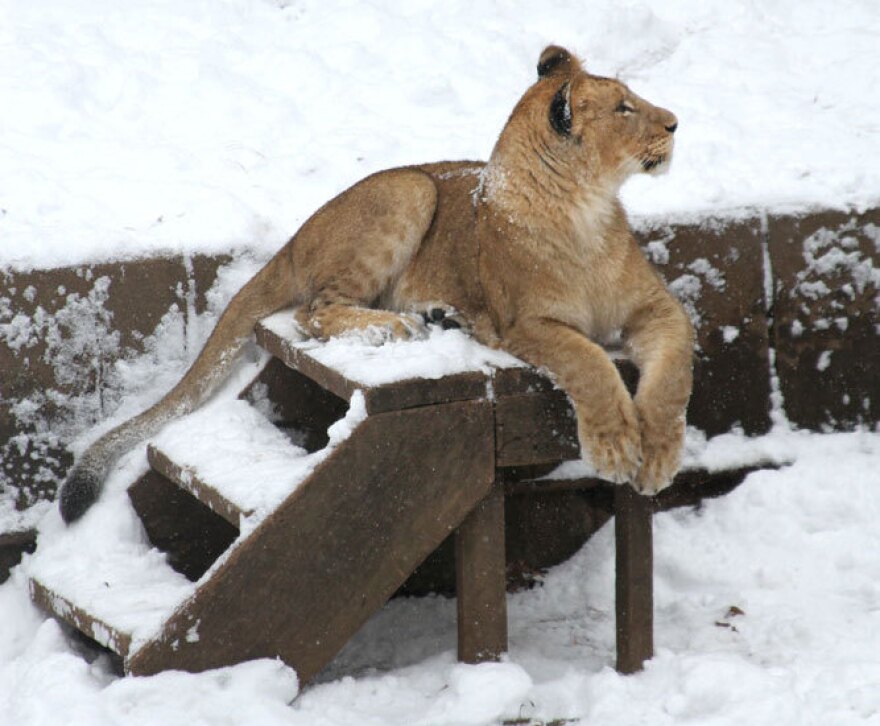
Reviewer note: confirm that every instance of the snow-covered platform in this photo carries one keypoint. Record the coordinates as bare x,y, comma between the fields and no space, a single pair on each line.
392,375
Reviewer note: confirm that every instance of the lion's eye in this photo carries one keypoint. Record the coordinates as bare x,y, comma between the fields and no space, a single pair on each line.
625,108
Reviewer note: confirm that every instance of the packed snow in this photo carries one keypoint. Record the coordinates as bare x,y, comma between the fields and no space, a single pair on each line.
235,450
360,358
152,127
767,611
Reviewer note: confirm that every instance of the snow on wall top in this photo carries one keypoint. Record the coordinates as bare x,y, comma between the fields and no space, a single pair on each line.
154,127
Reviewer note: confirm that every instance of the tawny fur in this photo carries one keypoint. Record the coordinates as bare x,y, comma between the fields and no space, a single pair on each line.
532,248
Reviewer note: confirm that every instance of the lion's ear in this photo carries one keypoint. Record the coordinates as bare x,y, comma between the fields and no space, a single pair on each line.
556,60
560,110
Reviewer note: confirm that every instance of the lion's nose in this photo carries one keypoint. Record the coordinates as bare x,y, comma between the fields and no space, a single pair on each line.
672,127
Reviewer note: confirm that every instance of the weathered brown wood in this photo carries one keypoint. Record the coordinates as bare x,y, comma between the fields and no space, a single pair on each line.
312,572
423,392
379,399
186,478
178,524
535,422
534,429
517,381
634,584
547,486
297,359
129,299
480,581
297,402
69,612
12,546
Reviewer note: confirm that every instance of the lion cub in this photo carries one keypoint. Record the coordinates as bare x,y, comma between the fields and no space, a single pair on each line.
531,250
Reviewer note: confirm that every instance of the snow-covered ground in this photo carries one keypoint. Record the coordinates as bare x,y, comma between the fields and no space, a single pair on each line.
151,126
767,612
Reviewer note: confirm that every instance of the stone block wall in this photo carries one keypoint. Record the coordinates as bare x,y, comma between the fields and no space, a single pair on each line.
784,306
63,336
826,317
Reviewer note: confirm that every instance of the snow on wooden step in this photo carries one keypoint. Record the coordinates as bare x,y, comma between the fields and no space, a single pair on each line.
102,575
234,451
233,459
370,361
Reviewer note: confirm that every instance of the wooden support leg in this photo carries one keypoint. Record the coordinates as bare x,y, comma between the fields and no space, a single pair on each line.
481,581
634,587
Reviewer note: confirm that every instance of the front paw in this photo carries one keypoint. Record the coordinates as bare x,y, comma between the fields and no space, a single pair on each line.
612,444
662,444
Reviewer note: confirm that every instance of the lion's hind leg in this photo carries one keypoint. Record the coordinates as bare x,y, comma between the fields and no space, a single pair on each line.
350,253
377,326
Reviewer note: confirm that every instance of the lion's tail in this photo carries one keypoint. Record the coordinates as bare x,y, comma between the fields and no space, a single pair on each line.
269,290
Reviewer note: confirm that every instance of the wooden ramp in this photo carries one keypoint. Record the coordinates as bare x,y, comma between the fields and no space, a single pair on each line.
281,538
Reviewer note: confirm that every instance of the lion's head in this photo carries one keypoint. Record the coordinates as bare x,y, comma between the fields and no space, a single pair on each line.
588,129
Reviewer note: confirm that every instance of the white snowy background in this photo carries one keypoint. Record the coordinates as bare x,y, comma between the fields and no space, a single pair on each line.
151,126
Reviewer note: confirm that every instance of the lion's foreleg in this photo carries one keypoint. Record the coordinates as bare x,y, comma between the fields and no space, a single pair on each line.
608,426
660,340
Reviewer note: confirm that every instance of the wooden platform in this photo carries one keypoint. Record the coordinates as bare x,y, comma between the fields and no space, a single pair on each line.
282,538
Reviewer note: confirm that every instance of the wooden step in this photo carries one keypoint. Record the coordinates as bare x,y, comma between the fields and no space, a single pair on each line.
446,366
113,636
233,460
119,598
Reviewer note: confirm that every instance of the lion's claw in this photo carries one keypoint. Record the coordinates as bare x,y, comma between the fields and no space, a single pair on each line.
661,456
614,447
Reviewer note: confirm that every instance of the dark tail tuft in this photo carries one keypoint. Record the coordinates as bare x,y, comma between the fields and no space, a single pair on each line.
78,493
